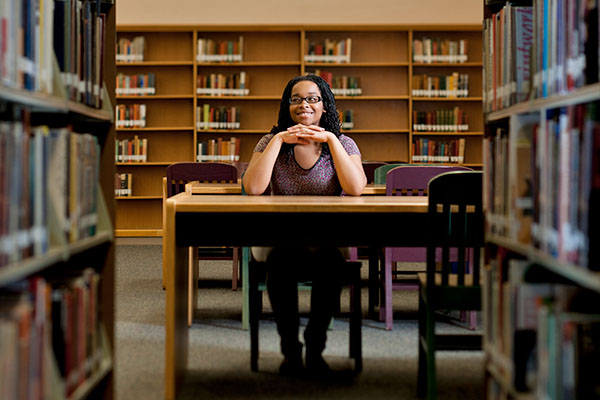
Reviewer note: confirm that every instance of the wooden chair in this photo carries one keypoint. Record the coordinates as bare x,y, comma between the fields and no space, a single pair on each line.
455,218
351,278
178,175
407,180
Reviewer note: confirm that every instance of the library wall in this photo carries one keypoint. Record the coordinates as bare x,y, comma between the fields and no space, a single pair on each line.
257,12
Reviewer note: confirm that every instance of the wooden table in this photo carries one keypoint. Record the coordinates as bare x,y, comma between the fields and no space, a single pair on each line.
236,188
232,220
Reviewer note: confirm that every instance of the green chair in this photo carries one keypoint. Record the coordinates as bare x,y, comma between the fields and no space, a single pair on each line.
455,218
381,172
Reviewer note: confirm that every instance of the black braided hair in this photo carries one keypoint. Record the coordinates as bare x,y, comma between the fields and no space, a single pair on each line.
329,120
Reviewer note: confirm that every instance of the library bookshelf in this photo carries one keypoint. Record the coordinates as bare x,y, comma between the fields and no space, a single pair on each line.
57,206
541,153
381,59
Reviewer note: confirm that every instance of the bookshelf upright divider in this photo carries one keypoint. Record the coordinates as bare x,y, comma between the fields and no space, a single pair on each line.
56,202
372,83
541,285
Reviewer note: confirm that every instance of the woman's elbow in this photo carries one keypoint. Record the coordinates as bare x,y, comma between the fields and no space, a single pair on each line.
253,190
356,189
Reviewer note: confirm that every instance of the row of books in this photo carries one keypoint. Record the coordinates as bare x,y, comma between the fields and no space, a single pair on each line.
425,150
347,119
210,50
44,169
79,28
130,116
437,50
543,182
542,337
49,322
442,120
35,31
131,150
454,85
508,39
26,45
218,150
130,50
208,117
328,51
223,85
136,85
341,85
123,184
565,49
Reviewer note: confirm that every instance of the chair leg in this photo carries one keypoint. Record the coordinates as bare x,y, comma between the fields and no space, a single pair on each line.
430,356
235,268
245,288
255,306
422,371
472,317
356,320
386,312
192,283
373,279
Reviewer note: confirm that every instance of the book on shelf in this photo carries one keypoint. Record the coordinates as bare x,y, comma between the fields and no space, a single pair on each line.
453,85
437,50
26,41
508,40
426,150
43,328
217,84
79,30
441,120
565,55
135,85
131,50
341,85
130,116
347,119
133,150
328,51
76,330
41,169
208,117
566,184
567,347
218,150
123,184
210,50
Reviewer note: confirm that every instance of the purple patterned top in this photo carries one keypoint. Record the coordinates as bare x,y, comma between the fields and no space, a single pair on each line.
289,178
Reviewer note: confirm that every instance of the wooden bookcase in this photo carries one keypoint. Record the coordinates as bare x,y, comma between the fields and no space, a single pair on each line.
381,56
50,253
542,275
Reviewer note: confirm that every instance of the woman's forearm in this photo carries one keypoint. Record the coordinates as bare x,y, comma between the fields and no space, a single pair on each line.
259,171
349,171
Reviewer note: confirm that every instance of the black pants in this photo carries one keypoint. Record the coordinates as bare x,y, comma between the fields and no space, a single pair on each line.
287,267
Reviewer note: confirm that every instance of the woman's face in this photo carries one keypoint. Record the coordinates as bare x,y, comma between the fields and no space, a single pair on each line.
306,113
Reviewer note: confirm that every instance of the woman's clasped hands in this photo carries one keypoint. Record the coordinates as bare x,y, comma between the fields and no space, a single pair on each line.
304,134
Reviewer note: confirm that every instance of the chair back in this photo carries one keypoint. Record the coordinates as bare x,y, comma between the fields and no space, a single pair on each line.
380,172
369,167
179,174
455,218
412,180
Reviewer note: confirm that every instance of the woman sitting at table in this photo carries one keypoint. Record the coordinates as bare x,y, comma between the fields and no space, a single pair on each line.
305,154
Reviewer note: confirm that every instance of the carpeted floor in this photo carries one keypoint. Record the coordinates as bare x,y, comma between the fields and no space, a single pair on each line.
219,359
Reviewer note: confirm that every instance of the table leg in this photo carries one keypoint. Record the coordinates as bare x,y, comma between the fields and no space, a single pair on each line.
176,310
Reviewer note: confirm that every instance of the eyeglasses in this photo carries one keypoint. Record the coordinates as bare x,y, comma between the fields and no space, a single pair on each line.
309,99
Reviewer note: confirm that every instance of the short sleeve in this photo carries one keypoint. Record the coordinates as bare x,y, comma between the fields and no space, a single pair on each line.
349,145
262,143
